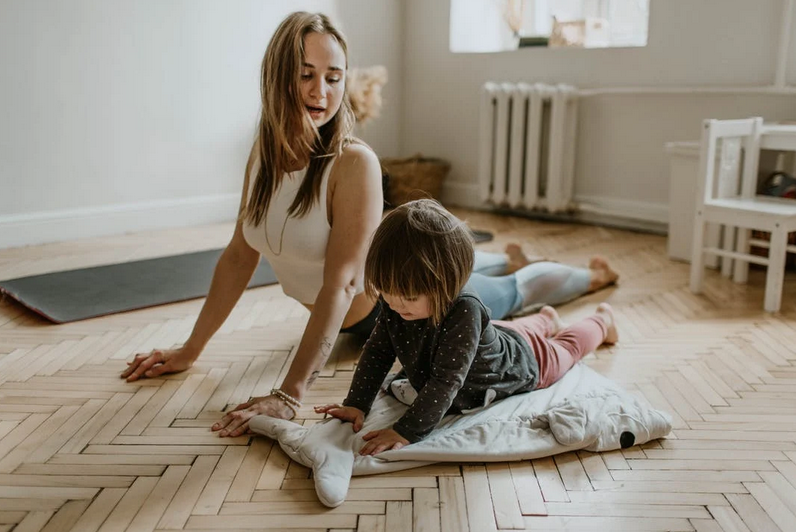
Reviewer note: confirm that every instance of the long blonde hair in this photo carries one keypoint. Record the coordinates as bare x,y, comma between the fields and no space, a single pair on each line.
420,249
286,132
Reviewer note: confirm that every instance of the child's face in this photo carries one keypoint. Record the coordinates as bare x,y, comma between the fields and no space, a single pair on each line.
415,308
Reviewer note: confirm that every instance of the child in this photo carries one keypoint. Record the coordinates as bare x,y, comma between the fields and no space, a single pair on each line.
452,354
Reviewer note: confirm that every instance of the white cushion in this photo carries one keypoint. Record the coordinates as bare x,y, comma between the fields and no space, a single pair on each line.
584,410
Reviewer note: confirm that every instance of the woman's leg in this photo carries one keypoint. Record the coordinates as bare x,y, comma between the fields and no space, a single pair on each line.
536,284
541,283
499,294
487,263
551,283
511,260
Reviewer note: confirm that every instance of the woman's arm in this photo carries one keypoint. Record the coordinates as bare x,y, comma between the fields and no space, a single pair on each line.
356,199
375,363
232,274
231,277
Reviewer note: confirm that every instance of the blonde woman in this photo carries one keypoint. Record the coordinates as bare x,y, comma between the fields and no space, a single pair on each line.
311,200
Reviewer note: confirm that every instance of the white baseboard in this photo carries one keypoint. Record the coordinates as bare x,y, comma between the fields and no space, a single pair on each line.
56,226
639,215
619,208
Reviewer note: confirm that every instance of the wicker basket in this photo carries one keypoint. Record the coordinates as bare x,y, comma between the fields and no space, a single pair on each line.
414,177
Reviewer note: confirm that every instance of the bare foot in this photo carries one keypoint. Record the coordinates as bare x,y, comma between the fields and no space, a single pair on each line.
601,274
555,319
606,314
518,259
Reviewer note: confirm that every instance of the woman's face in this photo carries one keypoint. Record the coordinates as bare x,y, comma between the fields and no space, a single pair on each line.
322,77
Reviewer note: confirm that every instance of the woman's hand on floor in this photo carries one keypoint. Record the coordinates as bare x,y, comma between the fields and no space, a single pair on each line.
382,440
159,361
236,422
344,413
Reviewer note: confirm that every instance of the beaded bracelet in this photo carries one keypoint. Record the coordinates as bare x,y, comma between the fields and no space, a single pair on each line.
288,399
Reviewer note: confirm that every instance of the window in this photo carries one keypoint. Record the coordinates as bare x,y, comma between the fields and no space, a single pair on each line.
500,25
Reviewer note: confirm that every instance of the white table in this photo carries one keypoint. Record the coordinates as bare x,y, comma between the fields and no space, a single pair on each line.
778,137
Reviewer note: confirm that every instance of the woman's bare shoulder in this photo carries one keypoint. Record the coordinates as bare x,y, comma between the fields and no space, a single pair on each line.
358,153
357,162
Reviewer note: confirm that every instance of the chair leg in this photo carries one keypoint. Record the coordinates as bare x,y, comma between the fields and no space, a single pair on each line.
775,275
697,254
712,239
727,244
741,273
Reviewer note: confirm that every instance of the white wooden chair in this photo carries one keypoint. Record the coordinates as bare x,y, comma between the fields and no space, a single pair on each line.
732,201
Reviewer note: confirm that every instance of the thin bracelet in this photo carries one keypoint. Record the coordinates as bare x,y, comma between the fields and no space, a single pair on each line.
286,396
288,399
287,403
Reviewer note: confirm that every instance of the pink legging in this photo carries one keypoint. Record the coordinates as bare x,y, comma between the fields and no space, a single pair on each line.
557,354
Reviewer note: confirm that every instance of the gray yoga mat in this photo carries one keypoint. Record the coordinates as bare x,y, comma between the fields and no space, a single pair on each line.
481,236
74,295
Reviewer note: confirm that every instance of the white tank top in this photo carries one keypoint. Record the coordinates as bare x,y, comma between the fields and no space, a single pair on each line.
294,246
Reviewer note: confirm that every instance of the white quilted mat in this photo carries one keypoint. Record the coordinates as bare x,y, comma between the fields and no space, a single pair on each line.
584,410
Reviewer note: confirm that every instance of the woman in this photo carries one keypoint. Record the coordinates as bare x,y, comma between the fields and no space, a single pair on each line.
311,200
315,240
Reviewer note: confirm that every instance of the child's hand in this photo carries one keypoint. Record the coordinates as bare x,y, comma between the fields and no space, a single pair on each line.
382,440
345,413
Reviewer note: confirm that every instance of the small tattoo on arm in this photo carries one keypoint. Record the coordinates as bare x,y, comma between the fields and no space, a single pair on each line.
312,378
326,347
326,350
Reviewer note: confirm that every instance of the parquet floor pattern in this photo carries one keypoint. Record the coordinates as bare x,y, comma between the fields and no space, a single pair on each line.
82,450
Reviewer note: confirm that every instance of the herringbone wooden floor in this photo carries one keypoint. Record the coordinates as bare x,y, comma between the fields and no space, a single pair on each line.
82,450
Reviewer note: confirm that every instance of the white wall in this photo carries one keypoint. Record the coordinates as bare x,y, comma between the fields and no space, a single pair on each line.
621,164
119,115
375,33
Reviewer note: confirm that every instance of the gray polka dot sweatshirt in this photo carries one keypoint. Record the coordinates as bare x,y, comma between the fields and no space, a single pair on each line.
452,366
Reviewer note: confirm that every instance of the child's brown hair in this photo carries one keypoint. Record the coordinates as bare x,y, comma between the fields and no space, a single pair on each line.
420,249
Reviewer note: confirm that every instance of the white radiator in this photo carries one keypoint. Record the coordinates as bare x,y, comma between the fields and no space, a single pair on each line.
527,145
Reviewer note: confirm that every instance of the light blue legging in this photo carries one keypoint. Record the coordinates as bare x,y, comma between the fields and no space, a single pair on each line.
540,283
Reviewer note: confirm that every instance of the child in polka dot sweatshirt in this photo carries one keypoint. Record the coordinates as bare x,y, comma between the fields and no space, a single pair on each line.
452,354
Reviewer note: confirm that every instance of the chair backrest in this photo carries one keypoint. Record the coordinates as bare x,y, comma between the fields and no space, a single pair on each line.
733,179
